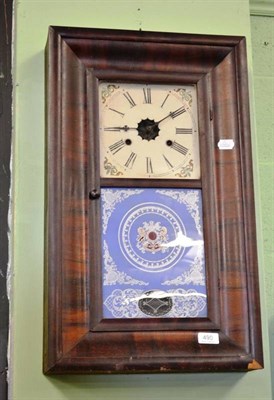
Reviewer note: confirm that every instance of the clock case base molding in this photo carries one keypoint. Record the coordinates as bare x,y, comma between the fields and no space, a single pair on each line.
77,339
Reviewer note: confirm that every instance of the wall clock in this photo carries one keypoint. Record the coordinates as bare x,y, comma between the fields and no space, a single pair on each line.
150,251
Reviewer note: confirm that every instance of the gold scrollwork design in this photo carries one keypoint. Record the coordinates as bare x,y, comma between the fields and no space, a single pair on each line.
111,169
187,170
186,95
106,92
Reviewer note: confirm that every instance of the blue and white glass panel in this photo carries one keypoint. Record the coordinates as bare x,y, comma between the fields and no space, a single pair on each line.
153,253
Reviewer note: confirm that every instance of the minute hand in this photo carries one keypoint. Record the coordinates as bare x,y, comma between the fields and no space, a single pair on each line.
173,114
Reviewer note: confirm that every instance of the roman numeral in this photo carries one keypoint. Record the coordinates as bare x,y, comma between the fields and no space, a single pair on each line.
131,160
163,103
147,95
130,99
168,162
116,111
183,131
178,147
178,112
117,146
149,165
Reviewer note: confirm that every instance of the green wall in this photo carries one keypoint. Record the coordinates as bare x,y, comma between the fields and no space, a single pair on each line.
262,29
32,18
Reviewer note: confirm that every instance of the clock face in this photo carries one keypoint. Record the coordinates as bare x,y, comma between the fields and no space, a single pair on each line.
148,131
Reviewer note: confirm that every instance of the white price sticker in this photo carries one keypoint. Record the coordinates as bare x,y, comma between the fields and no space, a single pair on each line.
226,144
208,338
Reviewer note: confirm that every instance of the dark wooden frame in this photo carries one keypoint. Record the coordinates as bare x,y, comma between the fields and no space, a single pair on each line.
77,339
6,9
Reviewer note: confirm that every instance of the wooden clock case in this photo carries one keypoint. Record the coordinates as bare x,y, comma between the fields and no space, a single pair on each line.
76,337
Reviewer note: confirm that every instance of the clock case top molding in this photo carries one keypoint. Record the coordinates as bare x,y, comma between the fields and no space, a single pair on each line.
76,337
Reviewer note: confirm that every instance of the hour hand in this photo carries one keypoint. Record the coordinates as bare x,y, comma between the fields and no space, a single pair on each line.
119,128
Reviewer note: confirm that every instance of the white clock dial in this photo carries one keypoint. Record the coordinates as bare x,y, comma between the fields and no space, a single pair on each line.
148,131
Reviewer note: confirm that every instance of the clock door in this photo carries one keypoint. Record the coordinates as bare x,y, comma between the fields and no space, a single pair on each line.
153,262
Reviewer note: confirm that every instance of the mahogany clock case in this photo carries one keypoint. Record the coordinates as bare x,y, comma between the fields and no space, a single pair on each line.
77,336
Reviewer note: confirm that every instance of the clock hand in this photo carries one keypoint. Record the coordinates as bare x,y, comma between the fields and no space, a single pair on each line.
173,114
119,128
149,129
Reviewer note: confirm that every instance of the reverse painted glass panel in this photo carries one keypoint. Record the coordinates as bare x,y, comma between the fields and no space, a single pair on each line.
153,253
